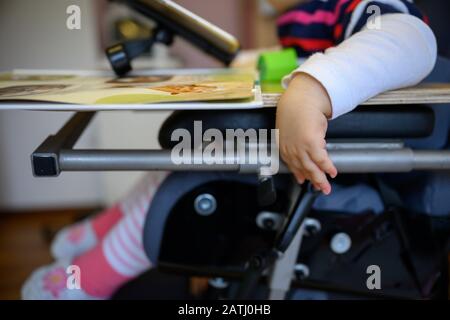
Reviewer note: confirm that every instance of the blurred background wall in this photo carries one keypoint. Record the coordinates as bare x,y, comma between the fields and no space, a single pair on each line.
33,35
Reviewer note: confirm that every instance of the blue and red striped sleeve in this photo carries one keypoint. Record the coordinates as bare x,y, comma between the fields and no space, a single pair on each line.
320,24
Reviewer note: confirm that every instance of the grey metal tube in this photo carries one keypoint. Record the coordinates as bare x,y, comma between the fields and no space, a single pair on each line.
373,160
431,160
129,160
346,161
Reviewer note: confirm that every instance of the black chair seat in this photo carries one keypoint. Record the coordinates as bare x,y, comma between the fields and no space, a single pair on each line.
366,122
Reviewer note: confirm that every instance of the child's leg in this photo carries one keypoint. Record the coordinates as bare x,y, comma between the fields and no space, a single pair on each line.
119,258
80,237
116,259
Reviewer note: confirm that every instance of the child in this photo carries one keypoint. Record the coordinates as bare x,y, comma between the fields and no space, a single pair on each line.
395,49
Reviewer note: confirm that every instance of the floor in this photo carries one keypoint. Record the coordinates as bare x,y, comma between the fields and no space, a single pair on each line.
24,244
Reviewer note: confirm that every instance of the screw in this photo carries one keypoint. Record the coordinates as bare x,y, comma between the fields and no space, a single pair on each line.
205,204
341,243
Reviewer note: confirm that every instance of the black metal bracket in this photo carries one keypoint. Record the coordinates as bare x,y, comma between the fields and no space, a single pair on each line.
45,159
121,54
303,199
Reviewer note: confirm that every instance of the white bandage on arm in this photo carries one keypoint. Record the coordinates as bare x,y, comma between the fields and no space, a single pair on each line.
399,54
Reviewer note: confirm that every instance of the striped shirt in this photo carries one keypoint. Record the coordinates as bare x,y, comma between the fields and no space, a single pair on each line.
320,24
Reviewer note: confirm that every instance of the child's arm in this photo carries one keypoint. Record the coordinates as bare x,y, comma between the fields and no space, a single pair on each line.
401,53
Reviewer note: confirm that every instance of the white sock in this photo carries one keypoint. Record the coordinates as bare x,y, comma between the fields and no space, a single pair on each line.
73,240
51,283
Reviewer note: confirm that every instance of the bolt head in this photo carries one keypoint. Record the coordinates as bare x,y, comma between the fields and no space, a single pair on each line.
341,243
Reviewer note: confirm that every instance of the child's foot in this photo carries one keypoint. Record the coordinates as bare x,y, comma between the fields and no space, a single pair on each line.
51,283
73,240
76,239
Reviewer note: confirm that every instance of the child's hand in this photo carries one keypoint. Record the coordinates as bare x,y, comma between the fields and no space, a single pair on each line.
302,115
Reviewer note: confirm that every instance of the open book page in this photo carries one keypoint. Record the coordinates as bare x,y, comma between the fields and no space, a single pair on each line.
224,85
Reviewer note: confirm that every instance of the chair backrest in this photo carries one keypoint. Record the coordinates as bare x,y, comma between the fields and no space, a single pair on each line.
366,122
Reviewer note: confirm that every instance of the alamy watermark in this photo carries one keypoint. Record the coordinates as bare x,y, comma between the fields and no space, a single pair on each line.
373,282
73,21
374,21
73,281
237,146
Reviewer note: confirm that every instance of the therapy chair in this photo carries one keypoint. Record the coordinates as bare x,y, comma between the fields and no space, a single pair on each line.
221,225
243,229
215,224
229,223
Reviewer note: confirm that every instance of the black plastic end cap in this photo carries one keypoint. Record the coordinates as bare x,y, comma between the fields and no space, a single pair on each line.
44,166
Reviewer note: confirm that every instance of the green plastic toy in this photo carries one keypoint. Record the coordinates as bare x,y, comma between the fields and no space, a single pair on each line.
273,66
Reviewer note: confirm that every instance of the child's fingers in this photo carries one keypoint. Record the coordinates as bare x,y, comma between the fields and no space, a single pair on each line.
322,160
293,165
302,167
316,176
297,170
299,177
